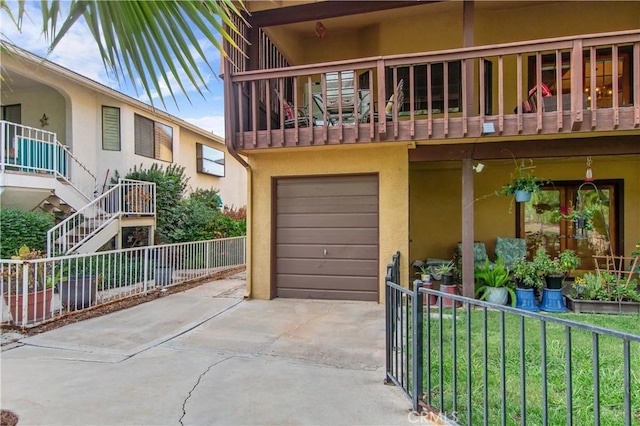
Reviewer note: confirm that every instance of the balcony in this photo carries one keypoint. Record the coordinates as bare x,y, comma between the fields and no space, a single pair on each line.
452,96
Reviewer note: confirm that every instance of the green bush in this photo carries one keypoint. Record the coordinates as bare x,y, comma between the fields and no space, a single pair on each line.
18,228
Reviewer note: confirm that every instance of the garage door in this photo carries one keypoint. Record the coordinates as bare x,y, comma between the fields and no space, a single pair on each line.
327,237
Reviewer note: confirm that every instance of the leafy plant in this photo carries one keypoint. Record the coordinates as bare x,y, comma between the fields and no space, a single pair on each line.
565,262
492,276
522,180
19,228
14,273
448,268
604,287
525,274
586,214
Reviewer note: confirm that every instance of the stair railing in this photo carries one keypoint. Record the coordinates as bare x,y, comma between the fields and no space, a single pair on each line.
128,197
32,150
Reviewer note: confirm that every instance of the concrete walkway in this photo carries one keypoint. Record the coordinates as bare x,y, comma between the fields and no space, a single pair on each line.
207,356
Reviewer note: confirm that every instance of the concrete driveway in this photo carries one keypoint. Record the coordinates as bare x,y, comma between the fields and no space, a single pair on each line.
207,356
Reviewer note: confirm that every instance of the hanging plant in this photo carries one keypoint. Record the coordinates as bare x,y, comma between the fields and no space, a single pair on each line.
523,183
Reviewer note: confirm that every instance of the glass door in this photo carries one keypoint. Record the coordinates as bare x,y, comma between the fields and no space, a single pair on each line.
546,221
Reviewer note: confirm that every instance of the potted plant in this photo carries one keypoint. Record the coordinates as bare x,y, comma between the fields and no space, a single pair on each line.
523,184
492,282
446,271
581,219
38,292
425,273
554,271
604,293
527,281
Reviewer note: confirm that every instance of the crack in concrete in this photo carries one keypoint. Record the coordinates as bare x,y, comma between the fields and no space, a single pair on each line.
184,403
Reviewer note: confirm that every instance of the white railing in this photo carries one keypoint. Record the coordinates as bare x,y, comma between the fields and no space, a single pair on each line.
39,290
30,150
128,197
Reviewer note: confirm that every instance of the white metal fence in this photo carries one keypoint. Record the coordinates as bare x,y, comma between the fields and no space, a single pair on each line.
38,290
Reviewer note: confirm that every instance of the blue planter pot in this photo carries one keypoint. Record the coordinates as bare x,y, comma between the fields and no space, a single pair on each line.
526,299
522,196
553,301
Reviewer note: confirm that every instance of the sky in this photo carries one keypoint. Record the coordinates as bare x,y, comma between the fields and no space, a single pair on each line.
78,52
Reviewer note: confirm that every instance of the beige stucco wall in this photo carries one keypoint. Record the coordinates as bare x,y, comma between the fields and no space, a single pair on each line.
435,216
389,161
74,109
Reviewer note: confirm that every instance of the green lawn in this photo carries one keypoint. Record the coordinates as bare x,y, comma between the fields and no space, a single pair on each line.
611,369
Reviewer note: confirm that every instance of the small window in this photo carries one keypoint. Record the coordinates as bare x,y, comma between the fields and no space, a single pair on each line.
12,113
153,139
110,128
210,160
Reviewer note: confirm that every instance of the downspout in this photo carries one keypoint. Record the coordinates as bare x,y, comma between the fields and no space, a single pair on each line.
229,132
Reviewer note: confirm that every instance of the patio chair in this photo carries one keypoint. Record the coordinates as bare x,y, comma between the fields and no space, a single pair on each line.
510,249
364,104
290,120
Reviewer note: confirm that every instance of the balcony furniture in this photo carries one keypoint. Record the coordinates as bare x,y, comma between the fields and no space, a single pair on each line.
364,104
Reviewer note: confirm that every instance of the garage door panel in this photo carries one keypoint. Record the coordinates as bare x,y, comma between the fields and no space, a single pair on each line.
363,296
346,267
334,220
333,251
327,189
327,236
314,282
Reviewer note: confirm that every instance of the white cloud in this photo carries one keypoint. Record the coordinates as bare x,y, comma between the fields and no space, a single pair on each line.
211,123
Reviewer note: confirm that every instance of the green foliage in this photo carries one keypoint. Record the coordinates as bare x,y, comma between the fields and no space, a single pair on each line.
522,180
526,274
446,268
605,287
211,197
19,228
488,275
565,262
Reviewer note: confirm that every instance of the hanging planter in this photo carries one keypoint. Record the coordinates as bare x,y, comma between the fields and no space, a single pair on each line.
523,185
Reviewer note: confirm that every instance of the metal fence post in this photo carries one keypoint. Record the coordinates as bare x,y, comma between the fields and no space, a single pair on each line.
387,319
417,339
146,270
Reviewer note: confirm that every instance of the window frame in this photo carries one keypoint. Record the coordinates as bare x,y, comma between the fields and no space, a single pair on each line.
118,144
155,143
201,158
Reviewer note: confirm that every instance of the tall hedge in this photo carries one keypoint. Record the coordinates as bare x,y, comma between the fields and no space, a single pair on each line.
18,228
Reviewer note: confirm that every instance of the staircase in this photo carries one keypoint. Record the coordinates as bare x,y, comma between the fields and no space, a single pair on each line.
127,204
37,171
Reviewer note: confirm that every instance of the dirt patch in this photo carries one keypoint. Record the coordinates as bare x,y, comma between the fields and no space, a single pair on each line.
8,418
117,305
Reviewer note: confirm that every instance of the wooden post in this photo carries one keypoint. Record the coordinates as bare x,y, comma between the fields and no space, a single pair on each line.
467,228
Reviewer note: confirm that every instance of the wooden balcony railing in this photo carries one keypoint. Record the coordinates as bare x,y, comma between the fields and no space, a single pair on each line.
458,94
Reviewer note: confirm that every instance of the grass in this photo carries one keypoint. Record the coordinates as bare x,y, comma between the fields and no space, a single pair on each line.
530,374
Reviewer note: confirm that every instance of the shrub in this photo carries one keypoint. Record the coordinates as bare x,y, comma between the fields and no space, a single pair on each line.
19,228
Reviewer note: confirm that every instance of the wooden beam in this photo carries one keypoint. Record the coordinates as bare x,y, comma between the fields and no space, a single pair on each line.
322,10
545,148
468,288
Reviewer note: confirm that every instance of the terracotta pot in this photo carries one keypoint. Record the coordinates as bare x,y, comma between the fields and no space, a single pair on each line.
38,306
450,289
433,300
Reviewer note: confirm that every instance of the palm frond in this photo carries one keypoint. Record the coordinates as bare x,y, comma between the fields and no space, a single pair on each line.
149,42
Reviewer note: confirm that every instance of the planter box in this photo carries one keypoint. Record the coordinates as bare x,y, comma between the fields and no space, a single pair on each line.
79,292
601,307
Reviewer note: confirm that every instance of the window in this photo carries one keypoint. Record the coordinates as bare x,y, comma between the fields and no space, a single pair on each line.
603,73
454,91
210,160
153,139
542,223
110,128
12,113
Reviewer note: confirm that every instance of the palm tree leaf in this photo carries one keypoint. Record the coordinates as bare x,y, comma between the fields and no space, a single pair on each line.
151,40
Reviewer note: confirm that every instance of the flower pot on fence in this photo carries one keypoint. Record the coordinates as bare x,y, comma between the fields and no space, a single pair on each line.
526,299
79,292
450,289
38,305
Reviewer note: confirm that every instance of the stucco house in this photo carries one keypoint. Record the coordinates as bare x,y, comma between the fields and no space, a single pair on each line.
363,125
64,136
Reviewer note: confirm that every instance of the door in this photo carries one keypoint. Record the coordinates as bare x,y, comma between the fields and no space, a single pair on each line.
327,237
545,221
